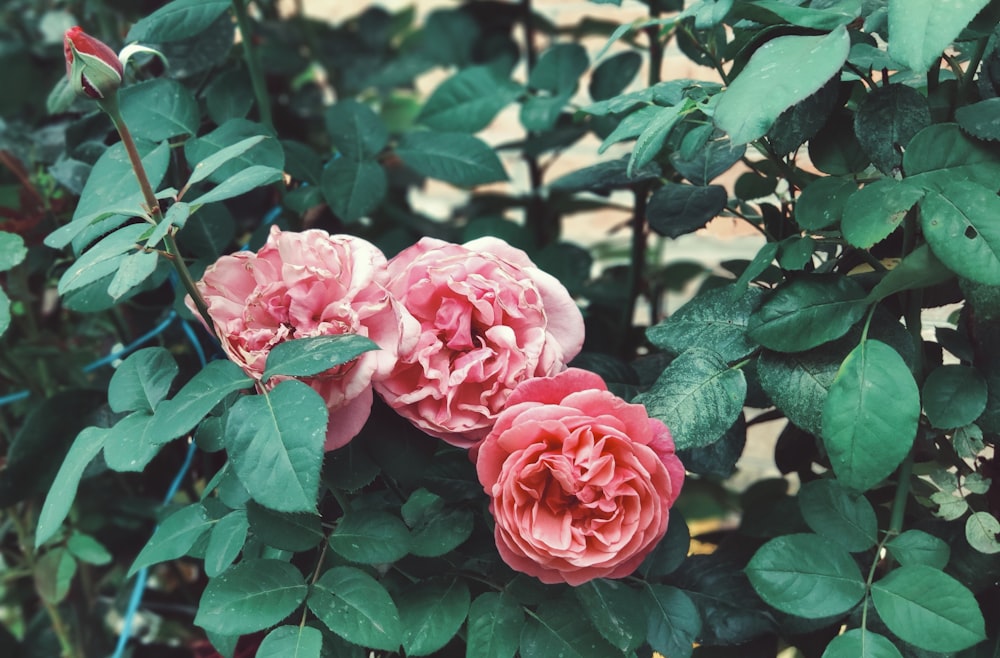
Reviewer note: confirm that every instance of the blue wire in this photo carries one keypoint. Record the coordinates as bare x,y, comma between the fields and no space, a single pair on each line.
14,397
152,333
139,589
111,358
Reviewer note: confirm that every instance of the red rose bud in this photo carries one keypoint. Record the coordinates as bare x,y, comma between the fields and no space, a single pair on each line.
93,68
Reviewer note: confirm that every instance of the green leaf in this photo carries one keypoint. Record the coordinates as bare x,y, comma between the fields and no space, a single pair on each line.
356,131
559,628
614,74
267,152
12,250
919,269
304,357
887,120
354,189
248,179
176,216
807,576
712,320
807,312
174,537
435,528
54,574
356,607
796,252
559,68
708,159
761,261
370,538
111,188
131,445
671,551
929,609
455,158
87,549
292,642
287,531
60,497
968,441
431,612
225,542
208,166
4,312
468,101
177,20
275,444
179,415
650,141
159,109
870,415
861,643
764,89
615,610
494,626
132,271
839,515
954,396
822,202
698,396
102,259
800,123
142,380
229,96
631,126
604,177
798,383
980,119
872,213
981,531
940,153
250,596
675,210
207,234
540,113
958,225
673,622
922,29
833,15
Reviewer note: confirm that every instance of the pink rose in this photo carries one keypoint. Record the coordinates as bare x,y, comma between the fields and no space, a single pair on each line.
311,284
490,319
580,481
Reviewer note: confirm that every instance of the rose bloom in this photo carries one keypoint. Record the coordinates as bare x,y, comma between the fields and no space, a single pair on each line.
311,284
489,320
580,481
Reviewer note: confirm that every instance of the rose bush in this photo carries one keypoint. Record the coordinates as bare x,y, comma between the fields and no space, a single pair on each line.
580,481
489,320
311,284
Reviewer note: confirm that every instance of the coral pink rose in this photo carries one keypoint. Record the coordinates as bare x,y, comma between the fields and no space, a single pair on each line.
311,284
489,319
580,481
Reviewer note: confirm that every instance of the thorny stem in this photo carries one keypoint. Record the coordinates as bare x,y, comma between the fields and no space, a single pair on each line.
66,645
252,56
637,261
970,70
902,492
536,217
110,106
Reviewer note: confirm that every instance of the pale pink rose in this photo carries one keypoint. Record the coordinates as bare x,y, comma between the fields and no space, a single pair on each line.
580,481
311,284
489,320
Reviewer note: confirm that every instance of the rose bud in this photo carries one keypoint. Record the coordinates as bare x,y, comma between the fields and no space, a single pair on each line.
93,69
